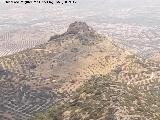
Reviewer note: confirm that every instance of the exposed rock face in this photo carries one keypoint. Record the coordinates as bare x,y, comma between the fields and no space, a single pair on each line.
79,30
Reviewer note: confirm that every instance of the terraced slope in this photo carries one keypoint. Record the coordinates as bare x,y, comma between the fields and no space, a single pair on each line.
13,41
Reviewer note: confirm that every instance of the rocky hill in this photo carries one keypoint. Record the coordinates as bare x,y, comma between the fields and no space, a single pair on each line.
67,71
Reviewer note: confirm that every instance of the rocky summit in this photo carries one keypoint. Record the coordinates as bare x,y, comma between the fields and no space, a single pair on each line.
79,30
79,75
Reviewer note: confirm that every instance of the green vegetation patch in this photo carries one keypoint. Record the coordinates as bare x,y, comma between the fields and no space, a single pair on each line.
101,98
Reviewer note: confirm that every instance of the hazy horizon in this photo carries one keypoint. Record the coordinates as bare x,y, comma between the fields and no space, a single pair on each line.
115,18
142,12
